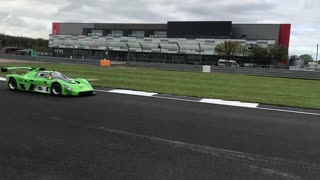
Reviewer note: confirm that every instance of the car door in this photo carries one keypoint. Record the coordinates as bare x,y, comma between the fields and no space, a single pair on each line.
40,82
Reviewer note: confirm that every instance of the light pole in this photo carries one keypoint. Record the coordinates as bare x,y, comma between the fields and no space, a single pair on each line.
178,52
141,47
128,57
159,46
90,52
178,47
200,53
107,52
58,50
72,51
317,57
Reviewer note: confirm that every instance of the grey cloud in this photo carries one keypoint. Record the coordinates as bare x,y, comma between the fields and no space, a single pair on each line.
230,10
302,14
84,11
12,21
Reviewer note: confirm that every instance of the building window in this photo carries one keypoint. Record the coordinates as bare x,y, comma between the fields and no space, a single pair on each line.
243,36
137,34
97,32
58,51
117,33
160,34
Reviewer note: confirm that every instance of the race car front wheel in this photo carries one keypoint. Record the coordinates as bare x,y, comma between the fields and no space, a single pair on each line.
56,89
12,84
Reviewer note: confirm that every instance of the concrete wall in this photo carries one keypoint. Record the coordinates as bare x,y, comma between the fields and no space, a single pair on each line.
253,31
256,31
118,26
74,28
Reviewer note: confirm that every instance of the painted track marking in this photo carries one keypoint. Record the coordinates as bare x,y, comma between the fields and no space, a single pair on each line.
195,101
131,92
235,155
230,103
208,101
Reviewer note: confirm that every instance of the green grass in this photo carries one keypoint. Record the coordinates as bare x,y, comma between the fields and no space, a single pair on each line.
277,91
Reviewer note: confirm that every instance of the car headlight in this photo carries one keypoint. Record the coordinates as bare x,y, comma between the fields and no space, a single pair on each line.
67,87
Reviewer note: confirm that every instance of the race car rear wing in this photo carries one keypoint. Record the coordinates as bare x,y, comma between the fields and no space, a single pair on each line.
6,69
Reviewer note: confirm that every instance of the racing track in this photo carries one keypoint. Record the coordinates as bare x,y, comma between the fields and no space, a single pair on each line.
114,136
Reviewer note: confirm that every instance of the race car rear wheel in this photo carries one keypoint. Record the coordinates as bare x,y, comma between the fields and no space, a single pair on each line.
12,84
56,89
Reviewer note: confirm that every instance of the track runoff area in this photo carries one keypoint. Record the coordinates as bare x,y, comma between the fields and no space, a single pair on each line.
202,138
206,100
211,101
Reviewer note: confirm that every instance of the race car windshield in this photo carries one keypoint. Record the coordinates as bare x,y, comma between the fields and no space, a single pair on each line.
57,75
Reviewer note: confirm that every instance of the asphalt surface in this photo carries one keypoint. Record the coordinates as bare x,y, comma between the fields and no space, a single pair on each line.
113,136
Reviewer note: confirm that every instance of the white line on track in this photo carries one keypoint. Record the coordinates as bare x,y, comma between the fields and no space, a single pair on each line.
230,103
209,101
289,111
196,101
130,92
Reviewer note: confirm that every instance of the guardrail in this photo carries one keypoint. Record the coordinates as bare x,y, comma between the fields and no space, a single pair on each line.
163,66
312,75
49,59
283,73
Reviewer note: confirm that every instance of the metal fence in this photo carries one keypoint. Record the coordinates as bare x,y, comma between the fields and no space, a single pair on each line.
312,75
169,67
49,59
283,73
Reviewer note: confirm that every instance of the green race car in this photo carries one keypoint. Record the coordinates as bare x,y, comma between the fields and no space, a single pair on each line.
49,82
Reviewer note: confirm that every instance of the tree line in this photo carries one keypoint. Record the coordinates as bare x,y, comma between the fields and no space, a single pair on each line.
257,54
306,58
39,44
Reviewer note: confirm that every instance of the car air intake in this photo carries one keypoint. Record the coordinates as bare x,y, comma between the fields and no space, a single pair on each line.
87,93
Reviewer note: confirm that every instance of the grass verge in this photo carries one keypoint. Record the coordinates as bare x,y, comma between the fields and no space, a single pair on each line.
267,90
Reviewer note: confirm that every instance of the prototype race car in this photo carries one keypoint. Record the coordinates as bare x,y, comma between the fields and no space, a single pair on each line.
49,82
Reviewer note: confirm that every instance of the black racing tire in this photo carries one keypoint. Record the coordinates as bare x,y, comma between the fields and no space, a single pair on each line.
12,84
56,89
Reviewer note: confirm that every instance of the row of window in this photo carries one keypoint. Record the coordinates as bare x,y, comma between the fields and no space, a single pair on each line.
121,33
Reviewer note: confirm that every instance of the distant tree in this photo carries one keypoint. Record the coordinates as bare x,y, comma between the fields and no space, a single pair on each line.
243,51
228,49
259,54
306,58
24,42
278,53
292,59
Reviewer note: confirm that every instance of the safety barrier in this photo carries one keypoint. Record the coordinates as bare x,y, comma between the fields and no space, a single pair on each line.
49,59
283,73
105,63
312,75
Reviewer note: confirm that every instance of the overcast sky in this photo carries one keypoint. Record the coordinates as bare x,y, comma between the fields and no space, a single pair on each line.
33,18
